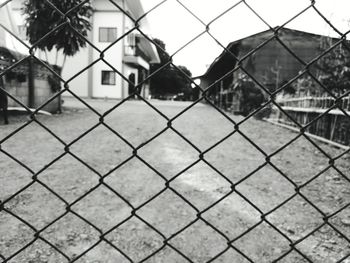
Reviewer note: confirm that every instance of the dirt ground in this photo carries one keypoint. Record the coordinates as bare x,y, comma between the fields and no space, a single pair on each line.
193,189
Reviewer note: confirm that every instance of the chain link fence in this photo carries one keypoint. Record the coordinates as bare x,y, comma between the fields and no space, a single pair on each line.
164,247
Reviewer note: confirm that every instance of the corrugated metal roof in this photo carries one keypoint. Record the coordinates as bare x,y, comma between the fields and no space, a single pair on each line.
264,34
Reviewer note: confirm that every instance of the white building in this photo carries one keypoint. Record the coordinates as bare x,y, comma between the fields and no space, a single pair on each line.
131,56
7,21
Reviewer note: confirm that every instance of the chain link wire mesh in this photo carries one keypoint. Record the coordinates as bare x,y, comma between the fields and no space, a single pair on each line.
167,244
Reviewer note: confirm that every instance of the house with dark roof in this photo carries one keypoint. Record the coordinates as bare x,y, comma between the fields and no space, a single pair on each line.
270,57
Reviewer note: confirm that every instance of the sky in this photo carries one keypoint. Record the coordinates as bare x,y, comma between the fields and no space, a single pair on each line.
176,26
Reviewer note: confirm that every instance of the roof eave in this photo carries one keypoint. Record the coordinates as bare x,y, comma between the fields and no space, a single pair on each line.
150,49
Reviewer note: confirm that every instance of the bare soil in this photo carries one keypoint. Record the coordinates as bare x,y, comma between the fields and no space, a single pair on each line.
71,207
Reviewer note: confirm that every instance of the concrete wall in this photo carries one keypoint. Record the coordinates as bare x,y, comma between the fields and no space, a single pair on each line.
18,90
42,89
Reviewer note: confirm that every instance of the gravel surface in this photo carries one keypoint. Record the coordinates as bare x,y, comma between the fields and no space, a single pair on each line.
68,233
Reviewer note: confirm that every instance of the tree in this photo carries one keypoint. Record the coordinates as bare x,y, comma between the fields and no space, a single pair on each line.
332,70
169,80
41,18
163,55
161,80
251,96
183,82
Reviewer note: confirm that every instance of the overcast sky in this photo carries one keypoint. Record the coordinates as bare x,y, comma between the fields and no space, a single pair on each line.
176,26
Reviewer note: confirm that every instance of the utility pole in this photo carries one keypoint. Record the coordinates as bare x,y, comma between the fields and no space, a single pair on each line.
276,70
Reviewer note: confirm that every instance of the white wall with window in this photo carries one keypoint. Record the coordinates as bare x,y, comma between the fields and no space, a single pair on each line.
108,77
107,28
107,34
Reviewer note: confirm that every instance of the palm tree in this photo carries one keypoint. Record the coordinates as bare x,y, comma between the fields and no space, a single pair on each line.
62,25
44,16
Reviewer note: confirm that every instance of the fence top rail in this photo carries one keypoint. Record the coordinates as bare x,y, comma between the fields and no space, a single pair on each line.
313,110
287,125
306,98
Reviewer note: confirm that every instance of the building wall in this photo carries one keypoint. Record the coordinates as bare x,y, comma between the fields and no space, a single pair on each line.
128,69
77,84
43,90
88,83
109,15
113,55
16,83
105,5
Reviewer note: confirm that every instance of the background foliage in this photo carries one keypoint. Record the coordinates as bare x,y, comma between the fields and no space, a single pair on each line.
169,80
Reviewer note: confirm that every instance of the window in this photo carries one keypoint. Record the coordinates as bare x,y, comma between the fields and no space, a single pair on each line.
107,34
22,32
108,77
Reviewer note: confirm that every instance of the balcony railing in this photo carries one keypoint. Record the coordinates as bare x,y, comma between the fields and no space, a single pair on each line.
135,51
130,51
